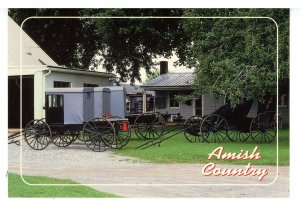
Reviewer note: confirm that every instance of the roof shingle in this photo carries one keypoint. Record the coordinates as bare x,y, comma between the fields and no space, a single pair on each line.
32,54
172,80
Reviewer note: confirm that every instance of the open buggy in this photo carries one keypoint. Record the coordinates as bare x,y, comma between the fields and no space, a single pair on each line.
93,115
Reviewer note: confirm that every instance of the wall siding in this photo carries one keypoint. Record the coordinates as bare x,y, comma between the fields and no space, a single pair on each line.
75,79
185,110
39,95
209,105
284,114
253,111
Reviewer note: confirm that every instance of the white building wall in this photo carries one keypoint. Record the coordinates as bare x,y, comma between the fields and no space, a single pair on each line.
77,80
39,95
41,82
185,110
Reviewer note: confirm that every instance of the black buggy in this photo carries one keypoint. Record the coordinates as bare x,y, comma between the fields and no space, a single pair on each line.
232,123
226,122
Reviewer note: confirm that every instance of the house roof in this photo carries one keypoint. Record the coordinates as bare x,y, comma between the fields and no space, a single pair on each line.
170,80
34,58
32,54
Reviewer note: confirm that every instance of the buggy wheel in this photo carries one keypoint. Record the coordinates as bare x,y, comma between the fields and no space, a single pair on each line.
214,128
123,133
37,134
149,125
64,140
192,129
238,136
263,128
95,131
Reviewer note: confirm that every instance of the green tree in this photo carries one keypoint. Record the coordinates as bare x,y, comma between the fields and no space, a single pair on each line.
129,44
236,58
152,75
123,45
70,42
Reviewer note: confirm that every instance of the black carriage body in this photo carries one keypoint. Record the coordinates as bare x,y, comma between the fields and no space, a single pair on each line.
55,109
237,116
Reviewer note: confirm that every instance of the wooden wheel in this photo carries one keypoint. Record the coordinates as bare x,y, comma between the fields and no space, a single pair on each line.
214,128
192,129
64,140
95,131
37,134
238,136
263,128
123,133
149,125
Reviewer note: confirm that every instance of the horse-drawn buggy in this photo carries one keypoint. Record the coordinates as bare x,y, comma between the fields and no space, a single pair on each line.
93,115
225,122
97,117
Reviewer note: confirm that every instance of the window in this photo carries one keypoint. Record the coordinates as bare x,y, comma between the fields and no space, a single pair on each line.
172,100
149,103
160,102
127,106
59,84
55,101
90,85
136,103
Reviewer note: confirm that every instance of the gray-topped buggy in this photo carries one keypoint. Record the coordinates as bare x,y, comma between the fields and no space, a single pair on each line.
94,115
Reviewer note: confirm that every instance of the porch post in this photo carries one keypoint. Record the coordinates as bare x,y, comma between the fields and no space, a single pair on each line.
194,106
144,101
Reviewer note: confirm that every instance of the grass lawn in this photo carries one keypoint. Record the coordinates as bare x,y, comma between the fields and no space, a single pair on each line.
178,150
17,188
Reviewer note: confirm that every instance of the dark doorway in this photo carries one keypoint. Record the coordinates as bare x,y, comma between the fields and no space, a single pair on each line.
14,101
198,106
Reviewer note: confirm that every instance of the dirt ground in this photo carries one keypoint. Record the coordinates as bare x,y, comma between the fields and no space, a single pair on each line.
130,177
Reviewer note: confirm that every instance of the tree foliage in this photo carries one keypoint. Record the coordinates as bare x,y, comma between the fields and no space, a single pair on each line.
236,57
152,75
70,42
232,57
123,45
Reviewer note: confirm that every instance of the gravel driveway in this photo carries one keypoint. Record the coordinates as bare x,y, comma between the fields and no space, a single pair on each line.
78,163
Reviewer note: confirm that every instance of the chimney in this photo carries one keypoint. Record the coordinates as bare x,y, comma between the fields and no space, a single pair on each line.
163,67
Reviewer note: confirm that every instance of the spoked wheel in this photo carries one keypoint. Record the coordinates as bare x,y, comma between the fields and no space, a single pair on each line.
149,125
64,140
214,128
123,133
37,134
95,131
238,136
192,129
263,128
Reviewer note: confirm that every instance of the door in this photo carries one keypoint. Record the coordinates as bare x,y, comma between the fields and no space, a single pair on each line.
15,101
198,106
54,109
